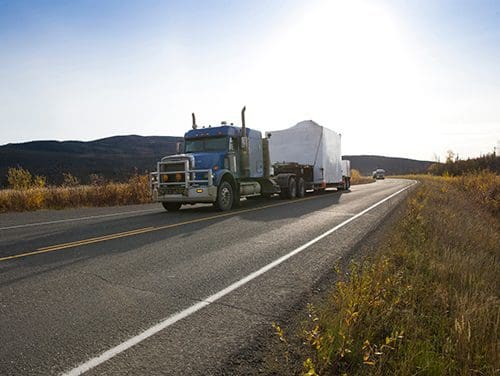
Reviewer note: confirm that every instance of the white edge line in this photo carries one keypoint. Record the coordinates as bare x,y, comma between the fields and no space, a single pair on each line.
165,323
75,219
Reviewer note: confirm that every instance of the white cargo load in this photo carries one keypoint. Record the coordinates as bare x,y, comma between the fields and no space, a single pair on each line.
311,144
346,168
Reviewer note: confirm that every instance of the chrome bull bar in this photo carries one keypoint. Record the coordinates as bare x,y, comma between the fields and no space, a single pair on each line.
188,180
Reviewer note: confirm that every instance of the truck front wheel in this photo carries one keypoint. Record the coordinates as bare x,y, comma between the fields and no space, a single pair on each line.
301,188
290,192
225,196
172,206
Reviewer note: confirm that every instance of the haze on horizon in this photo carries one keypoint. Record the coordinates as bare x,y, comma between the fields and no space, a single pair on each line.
395,78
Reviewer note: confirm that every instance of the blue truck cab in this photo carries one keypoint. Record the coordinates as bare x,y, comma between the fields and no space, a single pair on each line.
218,149
218,165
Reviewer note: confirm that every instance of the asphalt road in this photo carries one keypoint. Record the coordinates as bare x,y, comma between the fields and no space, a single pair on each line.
163,293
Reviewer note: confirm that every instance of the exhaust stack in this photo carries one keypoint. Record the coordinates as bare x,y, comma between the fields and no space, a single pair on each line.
194,121
245,159
243,121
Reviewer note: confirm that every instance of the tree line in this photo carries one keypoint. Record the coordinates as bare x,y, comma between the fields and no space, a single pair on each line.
454,166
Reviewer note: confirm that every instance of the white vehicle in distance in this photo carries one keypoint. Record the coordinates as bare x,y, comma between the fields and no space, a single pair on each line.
379,173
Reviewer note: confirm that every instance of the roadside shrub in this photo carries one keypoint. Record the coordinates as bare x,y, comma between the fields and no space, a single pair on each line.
138,187
483,187
70,180
39,181
357,178
19,178
96,179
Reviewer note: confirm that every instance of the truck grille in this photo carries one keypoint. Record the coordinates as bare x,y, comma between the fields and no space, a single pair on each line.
172,167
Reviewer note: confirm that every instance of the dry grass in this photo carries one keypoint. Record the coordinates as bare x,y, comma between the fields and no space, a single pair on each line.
357,178
135,191
484,188
427,302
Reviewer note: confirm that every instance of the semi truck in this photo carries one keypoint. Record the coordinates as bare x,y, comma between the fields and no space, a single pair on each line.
379,173
222,164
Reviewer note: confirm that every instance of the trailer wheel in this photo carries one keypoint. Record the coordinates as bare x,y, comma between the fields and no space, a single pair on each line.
348,183
301,188
345,184
225,196
172,206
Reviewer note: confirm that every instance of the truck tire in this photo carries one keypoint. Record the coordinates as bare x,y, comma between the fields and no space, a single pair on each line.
172,206
236,198
301,188
345,184
290,192
225,196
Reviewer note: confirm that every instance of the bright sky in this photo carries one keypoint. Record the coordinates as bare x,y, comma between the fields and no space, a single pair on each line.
394,77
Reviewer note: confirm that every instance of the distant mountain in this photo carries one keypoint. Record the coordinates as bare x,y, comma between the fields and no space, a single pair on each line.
117,158
366,164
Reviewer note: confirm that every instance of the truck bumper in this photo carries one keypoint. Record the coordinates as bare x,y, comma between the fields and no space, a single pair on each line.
188,196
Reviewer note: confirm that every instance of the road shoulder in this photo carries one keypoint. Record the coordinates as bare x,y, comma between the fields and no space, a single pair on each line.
266,355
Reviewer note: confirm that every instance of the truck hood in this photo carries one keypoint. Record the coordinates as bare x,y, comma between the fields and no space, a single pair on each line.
204,161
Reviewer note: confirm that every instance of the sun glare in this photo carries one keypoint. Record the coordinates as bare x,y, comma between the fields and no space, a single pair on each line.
346,64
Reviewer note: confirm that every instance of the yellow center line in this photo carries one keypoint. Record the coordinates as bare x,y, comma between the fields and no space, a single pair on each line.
138,231
96,240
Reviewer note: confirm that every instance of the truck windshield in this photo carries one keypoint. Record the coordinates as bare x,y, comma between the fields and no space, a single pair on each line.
206,144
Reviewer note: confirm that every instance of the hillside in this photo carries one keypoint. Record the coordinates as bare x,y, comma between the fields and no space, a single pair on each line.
393,166
116,158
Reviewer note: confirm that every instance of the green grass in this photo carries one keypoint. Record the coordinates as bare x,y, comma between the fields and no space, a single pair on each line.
427,302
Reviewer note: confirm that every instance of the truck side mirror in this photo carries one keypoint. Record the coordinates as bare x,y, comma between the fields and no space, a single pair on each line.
178,147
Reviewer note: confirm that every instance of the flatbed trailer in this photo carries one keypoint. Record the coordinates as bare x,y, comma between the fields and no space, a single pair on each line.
311,152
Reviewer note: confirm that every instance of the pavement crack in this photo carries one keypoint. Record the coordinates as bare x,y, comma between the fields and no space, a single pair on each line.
238,308
181,296
117,284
